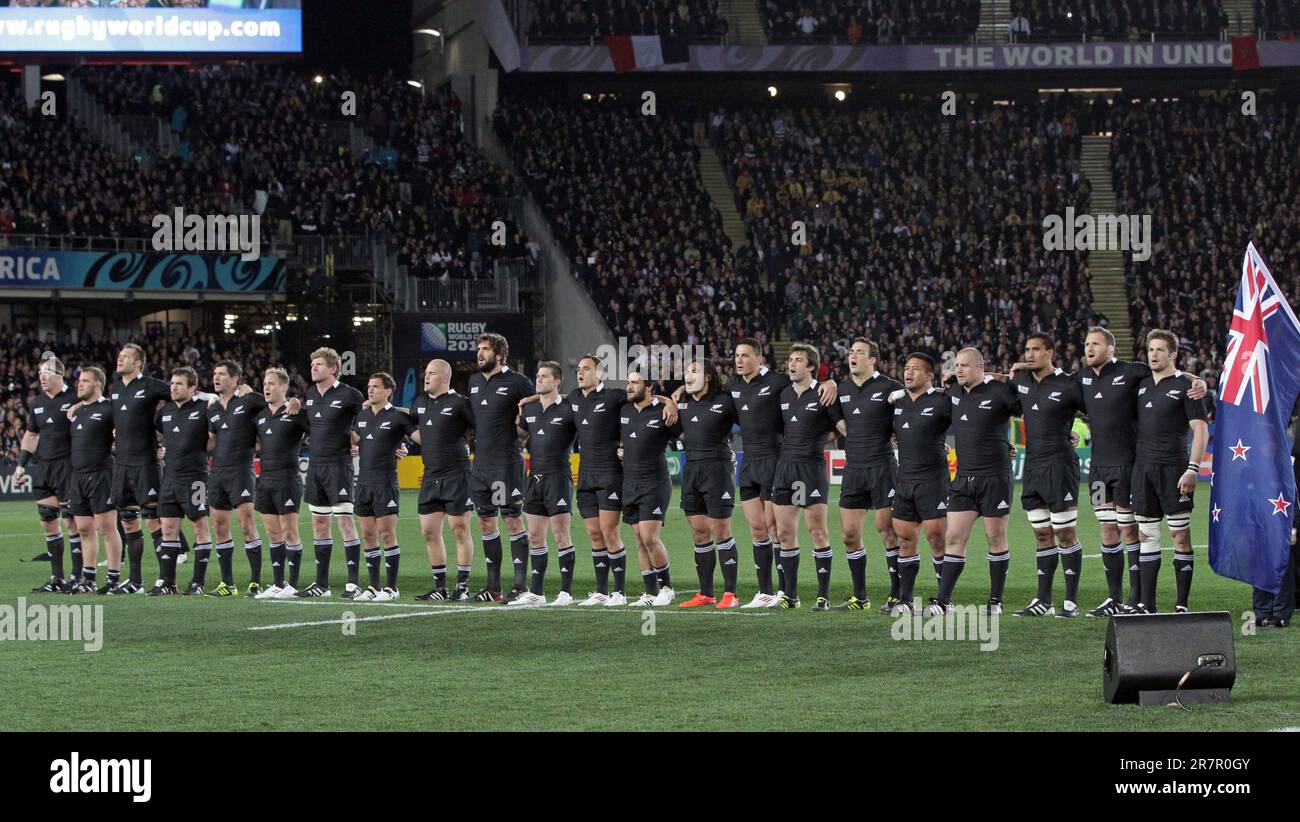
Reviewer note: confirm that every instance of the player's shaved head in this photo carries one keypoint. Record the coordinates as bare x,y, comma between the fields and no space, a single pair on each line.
439,367
970,367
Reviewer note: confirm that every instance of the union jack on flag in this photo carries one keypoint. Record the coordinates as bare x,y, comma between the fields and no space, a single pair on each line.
1246,363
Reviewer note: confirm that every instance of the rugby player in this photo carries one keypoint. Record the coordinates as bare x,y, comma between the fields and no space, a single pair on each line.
799,482
329,410
46,447
90,494
706,415
183,423
922,416
1049,401
279,488
497,475
443,418
870,469
547,422
647,491
1164,472
378,431
982,408
231,486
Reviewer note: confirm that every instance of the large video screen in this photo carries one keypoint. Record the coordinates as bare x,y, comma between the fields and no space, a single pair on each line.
142,27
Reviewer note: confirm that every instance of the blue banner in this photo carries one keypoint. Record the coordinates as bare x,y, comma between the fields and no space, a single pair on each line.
154,272
117,31
1253,493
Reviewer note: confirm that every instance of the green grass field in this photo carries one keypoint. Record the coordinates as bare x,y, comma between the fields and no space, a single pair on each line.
195,664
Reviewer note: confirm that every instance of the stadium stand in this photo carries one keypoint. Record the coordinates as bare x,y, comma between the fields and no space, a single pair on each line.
870,21
623,193
913,241
1117,19
422,186
1204,172
584,19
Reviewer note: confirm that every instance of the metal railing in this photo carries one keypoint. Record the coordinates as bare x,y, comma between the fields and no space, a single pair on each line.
467,295
63,242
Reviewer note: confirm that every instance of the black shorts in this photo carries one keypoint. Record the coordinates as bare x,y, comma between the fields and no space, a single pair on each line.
868,488
497,489
89,492
645,500
707,489
599,490
990,496
328,483
50,478
1054,487
1109,484
756,477
377,499
917,500
276,495
445,493
800,484
135,485
1155,490
549,494
186,498
229,488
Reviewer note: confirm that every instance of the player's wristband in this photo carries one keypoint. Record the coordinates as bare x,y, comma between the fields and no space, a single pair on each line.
1193,468
24,457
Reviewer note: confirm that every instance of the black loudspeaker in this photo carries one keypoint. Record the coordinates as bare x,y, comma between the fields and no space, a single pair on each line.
1146,655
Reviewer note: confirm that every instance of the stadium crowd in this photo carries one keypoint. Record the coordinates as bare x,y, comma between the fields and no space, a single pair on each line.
21,349
921,231
422,187
1277,16
869,21
624,195
597,18
1203,170
1117,19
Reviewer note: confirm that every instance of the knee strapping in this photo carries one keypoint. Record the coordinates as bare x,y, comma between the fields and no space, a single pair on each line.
1064,520
47,513
1039,517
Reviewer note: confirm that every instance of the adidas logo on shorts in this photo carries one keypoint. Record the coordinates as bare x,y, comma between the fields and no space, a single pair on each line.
245,493
563,503
1003,504
392,503
656,511
726,495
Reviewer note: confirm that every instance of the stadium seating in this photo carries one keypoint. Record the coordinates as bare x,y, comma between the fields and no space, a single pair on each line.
582,20
423,187
923,231
1119,19
869,22
624,195
1203,170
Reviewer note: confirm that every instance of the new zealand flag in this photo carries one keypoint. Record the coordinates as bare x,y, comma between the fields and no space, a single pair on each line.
1252,487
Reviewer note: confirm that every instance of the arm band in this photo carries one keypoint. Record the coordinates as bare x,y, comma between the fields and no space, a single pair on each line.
24,457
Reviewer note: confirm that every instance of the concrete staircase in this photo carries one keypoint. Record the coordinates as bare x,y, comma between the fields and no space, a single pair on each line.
724,199
994,16
1241,16
744,23
1109,294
